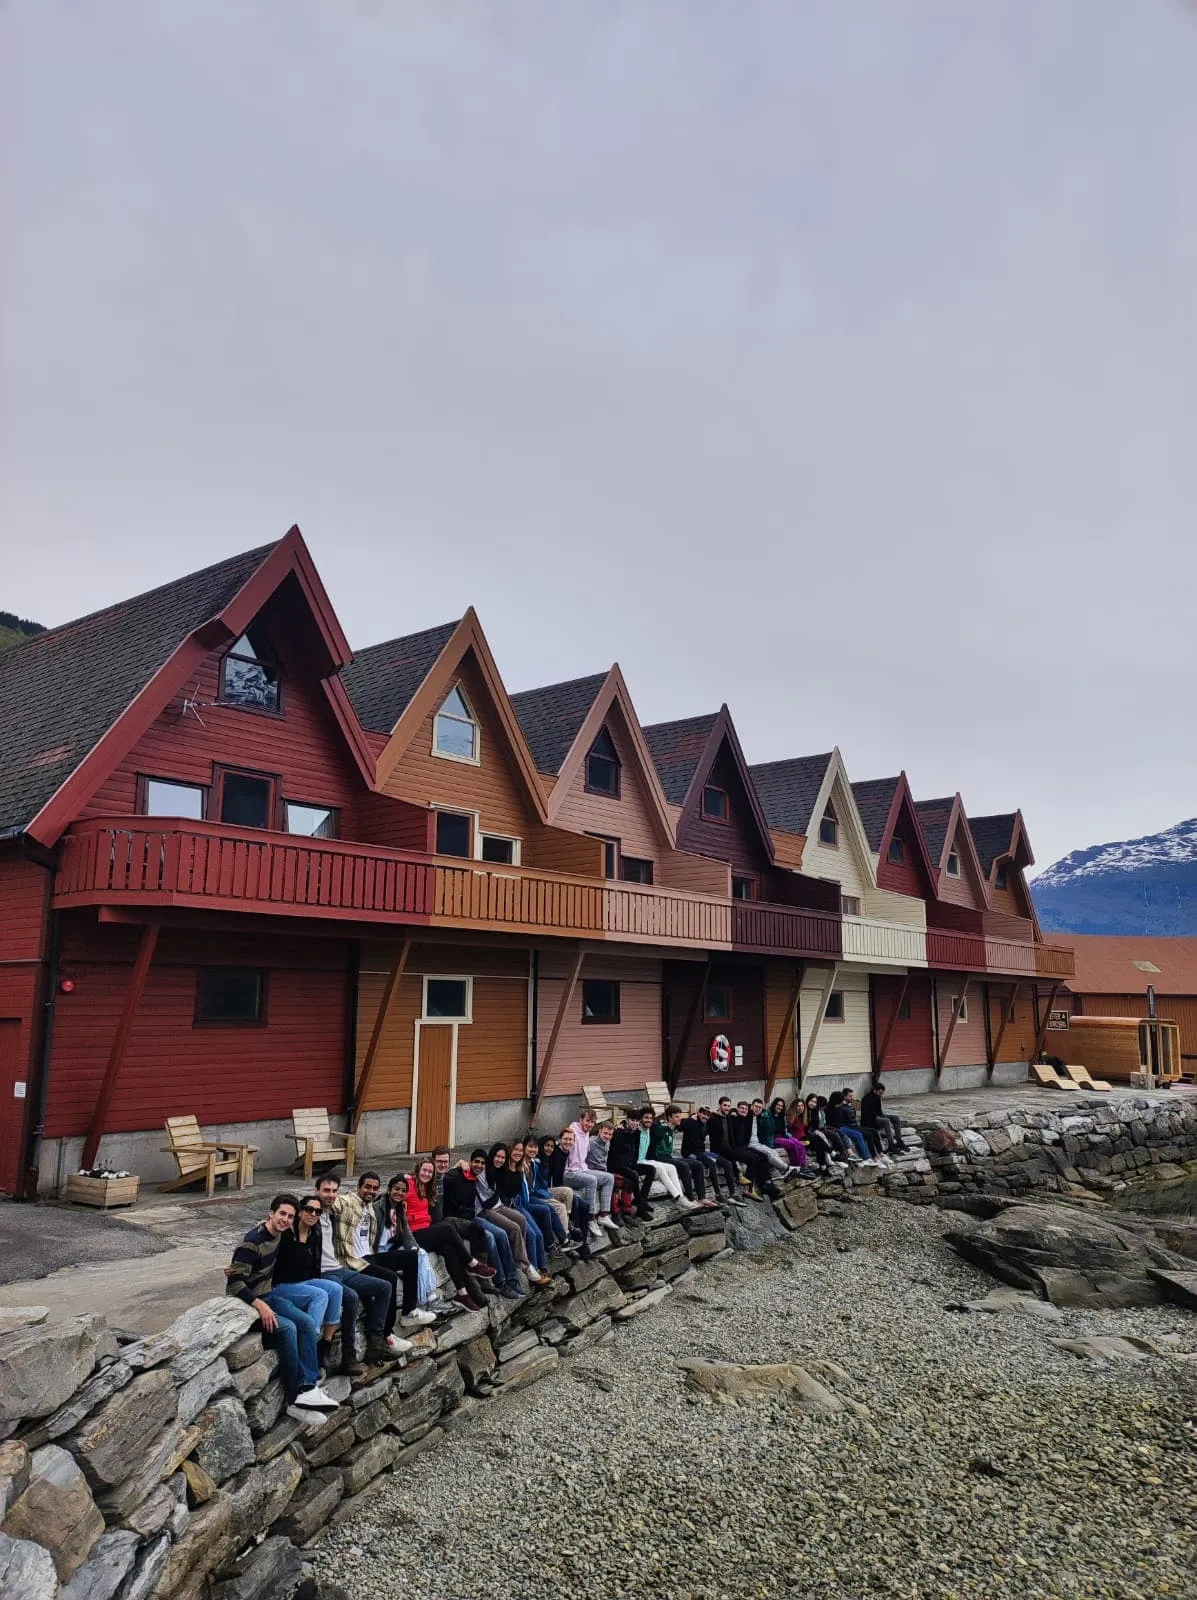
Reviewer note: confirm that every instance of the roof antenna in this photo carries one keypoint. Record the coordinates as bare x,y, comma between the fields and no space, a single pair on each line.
193,704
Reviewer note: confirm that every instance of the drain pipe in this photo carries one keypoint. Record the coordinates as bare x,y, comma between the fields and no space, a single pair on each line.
32,1173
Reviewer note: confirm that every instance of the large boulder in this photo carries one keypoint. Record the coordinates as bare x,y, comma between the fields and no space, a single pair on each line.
111,1442
26,1571
273,1570
205,1332
41,1366
225,1442
105,1569
57,1510
1067,1256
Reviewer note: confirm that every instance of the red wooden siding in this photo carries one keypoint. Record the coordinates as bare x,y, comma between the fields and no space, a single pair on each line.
736,840
746,1027
910,1043
395,823
23,888
221,1074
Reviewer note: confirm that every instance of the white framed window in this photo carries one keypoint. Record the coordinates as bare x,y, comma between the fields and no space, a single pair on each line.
455,734
829,828
498,848
850,905
960,1007
317,822
447,999
953,864
162,797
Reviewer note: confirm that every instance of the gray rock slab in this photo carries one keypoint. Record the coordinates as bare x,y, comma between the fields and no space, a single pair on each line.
528,1340
271,1571
57,1510
113,1438
26,1571
106,1568
41,1366
262,1410
528,1368
14,1472
101,1386
368,1460
153,1462
151,1564
142,1354
206,1331
198,1391
249,1381
462,1329
601,1297
311,1505
225,1443
284,1434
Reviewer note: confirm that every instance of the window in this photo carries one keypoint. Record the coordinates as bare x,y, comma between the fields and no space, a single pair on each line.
953,864
1001,879
455,729
494,848
600,1000
447,999
249,675
602,766
225,996
904,1008
452,833
962,1012
743,888
715,805
610,855
633,870
850,905
246,800
718,1005
162,798
835,1006
829,828
315,822
896,854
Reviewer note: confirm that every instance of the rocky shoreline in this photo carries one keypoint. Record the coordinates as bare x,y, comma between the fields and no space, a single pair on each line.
1001,1454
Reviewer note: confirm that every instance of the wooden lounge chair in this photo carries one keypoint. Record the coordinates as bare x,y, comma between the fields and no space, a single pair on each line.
319,1145
200,1160
659,1097
1080,1077
605,1110
1046,1076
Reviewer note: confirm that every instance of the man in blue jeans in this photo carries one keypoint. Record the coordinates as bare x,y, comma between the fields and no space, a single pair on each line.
337,1225
287,1322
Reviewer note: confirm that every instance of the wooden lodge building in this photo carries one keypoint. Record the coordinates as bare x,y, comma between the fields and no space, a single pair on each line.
243,870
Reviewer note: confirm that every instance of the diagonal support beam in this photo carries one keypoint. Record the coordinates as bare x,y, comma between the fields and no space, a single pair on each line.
1007,1019
879,1063
120,1042
808,1054
1041,1032
957,1007
698,1002
787,1032
385,1007
567,994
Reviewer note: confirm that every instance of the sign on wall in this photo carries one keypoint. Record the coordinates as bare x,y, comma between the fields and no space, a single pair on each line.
1057,1021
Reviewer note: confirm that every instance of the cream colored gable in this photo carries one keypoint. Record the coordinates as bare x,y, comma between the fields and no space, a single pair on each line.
851,864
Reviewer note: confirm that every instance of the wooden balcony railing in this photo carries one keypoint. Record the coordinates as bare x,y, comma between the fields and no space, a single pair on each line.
963,952
469,893
666,916
166,862
1054,961
1012,956
897,943
971,952
765,928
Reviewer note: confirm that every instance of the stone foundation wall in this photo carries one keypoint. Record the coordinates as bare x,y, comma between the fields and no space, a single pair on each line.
171,1466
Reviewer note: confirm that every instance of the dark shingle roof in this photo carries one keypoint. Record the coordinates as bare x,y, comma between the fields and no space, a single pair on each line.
61,690
992,836
552,716
676,749
382,679
934,816
788,790
874,797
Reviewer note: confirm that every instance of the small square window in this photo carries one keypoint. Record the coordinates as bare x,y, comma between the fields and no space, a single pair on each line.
316,822
226,996
744,888
600,1000
1001,879
896,854
835,1006
502,851
249,675
452,833
446,999
850,905
634,870
715,805
161,798
246,801
953,864
960,1006
904,1008
829,829
718,1006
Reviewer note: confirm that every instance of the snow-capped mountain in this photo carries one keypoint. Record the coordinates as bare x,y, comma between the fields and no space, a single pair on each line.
1146,885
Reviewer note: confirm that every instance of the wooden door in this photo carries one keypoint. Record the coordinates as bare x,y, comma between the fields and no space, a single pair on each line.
436,1050
13,1104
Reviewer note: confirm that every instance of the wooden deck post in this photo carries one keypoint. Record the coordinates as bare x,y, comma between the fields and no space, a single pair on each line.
807,1054
879,1063
385,1007
1041,1032
675,1069
120,1040
786,1028
1007,1019
957,1008
542,1075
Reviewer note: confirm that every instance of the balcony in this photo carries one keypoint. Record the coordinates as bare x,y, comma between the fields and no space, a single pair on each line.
899,944
213,867
960,951
982,953
1054,961
785,930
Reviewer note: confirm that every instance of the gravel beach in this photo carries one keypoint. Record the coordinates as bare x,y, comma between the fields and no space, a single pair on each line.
991,1464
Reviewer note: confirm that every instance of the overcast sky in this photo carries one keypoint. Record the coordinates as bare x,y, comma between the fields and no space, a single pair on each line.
837,360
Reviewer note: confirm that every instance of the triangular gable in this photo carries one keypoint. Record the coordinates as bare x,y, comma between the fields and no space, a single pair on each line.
953,830
789,790
678,748
836,789
552,716
1002,841
883,804
613,695
223,601
466,640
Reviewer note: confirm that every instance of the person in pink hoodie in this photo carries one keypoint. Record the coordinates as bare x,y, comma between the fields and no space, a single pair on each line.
598,1187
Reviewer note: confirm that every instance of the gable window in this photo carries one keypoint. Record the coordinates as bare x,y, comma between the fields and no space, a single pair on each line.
602,766
453,833
226,996
447,1000
953,864
249,675
834,1011
162,798
493,847
246,800
633,870
455,729
850,905
610,855
316,822
896,854
600,1000
744,889
716,807
829,828
717,1007
1001,879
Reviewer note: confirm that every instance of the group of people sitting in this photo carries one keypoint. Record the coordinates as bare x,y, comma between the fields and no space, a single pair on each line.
496,1218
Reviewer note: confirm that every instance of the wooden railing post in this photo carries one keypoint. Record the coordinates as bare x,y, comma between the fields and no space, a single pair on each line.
120,1041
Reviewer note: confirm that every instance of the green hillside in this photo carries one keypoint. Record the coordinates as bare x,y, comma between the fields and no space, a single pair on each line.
13,629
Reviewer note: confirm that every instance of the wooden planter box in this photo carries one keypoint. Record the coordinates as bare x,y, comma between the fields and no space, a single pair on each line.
102,1192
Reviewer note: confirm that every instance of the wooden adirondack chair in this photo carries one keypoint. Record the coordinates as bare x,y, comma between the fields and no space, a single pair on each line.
605,1110
659,1097
318,1144
200,1160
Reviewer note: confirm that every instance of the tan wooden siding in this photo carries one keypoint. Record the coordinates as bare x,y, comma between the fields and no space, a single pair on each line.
964,890
841,1047
617,1056
555,850
492,788
968,1047
1018,1041
779,980
788,848
1006,900
842,864
628,818
695,874
1181,1009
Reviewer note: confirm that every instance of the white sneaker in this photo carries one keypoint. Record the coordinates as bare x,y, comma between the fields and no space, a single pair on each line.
401,1347
315,1399
594,1230
609,1222
688,1205
418,1317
